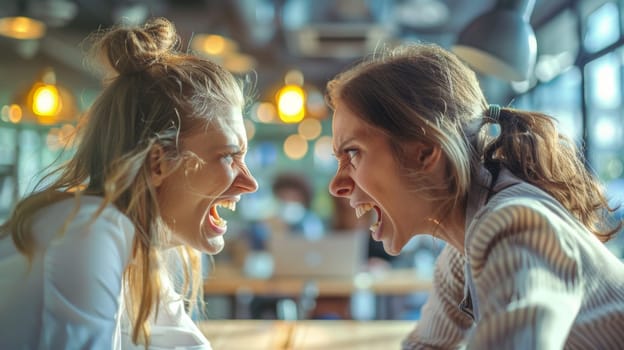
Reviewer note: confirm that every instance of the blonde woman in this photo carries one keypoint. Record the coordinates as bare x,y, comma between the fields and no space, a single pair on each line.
83,263
525,266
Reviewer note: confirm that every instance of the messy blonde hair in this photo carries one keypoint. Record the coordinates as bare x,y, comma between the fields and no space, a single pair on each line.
153,95
422,92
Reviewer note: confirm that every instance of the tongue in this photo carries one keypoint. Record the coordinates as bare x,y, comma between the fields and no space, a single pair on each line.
214,214
217,224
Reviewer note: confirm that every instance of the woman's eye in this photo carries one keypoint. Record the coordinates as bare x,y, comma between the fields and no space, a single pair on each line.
351,153
235,156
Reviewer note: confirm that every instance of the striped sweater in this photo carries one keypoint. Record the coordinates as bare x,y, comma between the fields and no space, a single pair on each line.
531,277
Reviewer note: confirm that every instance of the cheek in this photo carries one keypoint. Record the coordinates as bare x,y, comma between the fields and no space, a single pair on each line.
171,188
371,176
209,179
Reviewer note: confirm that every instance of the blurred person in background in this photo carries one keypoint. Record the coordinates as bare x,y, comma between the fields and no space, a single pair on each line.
84,261
293,193
525,264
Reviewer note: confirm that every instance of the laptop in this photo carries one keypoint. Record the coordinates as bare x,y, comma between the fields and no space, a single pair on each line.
336,254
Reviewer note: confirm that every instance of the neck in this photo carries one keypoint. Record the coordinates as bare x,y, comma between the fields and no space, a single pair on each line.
451,229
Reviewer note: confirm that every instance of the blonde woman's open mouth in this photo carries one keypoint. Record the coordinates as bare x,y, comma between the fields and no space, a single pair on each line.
217,224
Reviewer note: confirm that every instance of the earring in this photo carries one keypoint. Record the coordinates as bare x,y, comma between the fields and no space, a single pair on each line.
435,221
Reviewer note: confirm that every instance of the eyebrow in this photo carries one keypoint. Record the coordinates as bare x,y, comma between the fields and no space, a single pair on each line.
230,148
341,147
224,148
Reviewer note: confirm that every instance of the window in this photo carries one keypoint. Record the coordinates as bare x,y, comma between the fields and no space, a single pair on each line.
561,99
602,27
603,91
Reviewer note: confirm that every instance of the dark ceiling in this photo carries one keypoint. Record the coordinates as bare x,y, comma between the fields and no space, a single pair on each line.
274,32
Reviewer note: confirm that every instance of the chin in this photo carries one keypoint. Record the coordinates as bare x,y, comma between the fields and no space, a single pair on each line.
394,243
390,247
213,245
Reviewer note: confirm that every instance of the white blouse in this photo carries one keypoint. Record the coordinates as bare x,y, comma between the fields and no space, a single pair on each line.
69,296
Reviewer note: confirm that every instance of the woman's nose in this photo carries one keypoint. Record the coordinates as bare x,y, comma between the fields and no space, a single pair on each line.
246,181
340,186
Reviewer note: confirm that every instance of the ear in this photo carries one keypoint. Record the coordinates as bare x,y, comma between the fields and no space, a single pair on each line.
425,156
158,165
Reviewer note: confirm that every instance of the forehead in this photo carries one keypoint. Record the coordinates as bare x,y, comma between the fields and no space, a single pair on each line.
346,125
227,128
230,120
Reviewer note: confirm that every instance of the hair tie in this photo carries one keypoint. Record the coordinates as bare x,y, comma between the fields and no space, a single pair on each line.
494,112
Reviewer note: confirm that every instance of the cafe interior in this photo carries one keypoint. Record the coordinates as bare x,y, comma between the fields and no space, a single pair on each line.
561,57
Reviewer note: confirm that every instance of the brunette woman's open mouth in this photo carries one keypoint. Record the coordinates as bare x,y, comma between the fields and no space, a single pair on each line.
362,209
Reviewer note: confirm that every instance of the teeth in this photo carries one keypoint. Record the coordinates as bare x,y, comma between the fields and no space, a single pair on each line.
362,209
228,204
374,227
220,222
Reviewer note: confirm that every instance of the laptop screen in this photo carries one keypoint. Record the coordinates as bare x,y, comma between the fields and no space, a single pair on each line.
335,254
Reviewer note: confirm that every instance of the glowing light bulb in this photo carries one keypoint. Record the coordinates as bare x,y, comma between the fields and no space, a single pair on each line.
46,103
22,28
291,104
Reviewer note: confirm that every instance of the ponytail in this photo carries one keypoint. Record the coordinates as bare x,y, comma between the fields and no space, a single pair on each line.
530,146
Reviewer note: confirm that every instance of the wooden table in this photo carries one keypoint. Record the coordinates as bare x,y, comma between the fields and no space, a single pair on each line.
386,285
326,335
229,280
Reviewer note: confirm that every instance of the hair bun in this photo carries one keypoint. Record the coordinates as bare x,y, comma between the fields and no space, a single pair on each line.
134,49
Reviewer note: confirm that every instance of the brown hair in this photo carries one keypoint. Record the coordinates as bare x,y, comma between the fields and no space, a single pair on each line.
423,92
154,95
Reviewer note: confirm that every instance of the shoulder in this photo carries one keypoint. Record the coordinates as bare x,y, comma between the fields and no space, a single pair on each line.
522,218
521,205
109,217
88,247
83,222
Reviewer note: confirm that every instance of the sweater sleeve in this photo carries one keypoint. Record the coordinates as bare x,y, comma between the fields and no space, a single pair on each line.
525,268
443,325
82,282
